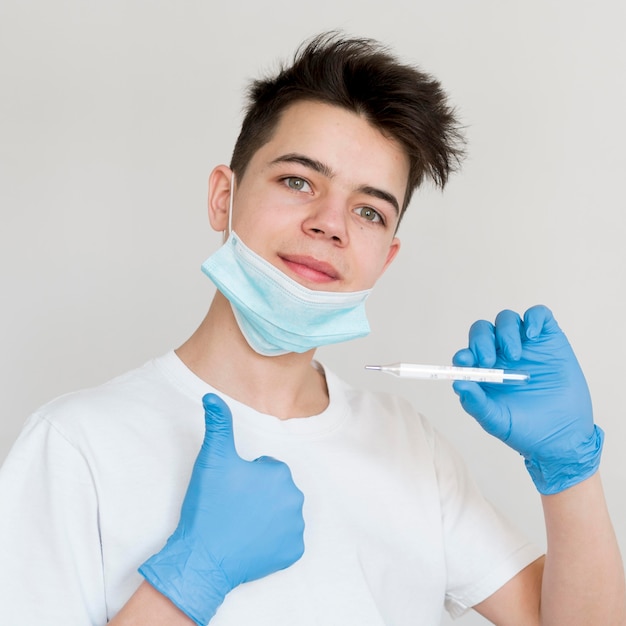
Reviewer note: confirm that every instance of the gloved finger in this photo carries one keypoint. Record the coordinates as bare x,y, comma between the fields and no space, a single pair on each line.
282,471
539,319
218,441
483,409
279,468
508,337
464,358
265,459
482,343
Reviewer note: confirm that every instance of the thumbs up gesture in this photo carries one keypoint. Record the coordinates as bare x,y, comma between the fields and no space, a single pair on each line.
240,520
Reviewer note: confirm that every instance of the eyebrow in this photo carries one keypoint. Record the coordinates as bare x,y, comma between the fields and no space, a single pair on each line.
327,172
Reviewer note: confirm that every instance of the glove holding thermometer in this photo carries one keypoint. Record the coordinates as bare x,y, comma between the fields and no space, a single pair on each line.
549,419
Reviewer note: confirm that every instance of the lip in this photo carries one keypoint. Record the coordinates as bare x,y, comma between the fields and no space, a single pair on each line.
311,268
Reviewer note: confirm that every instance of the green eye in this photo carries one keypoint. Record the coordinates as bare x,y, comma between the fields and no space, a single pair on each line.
369,214
297,184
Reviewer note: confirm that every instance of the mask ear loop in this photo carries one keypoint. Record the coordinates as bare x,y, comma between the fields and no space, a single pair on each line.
226,233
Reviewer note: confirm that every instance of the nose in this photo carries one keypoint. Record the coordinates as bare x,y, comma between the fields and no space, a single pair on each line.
328,220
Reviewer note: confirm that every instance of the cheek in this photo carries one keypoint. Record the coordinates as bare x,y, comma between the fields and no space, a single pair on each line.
251,221
382,257
373,261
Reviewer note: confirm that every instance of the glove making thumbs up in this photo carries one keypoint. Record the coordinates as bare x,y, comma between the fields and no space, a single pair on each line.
240,520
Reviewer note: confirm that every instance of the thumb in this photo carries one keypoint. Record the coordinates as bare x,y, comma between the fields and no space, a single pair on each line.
483,409
219,442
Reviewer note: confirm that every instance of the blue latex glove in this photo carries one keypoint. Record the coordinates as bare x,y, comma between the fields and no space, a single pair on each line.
548,420
240,520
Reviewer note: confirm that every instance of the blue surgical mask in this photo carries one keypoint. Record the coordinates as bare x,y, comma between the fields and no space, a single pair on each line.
275,313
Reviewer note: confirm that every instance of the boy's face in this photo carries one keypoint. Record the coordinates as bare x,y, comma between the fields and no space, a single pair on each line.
321,200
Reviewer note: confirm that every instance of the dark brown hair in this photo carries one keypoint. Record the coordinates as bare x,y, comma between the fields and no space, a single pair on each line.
359,75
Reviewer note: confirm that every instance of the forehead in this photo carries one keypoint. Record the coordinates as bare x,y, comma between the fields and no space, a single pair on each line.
347,142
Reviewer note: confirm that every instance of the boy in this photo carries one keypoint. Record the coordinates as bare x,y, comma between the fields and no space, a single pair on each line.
329,153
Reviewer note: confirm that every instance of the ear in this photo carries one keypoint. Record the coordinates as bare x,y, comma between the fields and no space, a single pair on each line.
394,248
219,197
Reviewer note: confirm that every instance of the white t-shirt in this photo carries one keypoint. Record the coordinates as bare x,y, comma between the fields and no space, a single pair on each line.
395,528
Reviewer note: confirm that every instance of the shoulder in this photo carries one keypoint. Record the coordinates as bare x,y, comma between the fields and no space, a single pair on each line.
122,388
141,421
142,393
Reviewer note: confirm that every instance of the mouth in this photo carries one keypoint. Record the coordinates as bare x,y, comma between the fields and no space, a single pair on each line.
310,268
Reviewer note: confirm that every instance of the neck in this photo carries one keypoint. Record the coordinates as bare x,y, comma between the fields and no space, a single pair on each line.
285,386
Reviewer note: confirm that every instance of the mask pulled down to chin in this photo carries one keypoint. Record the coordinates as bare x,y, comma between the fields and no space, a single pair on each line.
276,314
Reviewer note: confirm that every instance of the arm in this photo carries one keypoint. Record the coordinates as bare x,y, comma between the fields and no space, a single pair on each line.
583,581
240,520
549,421
148,606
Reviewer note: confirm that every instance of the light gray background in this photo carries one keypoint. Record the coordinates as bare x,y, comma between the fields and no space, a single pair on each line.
113,113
